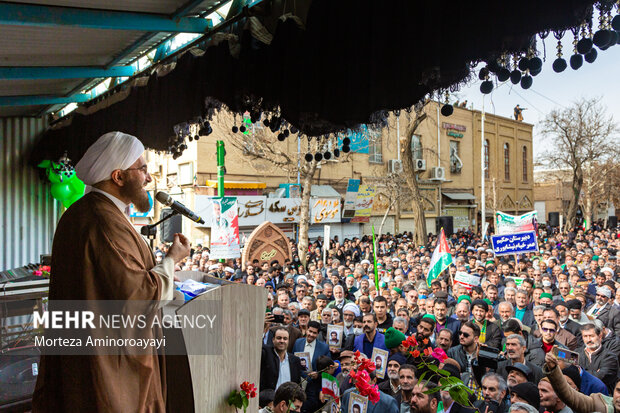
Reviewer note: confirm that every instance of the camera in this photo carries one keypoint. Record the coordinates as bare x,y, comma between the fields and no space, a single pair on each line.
489,357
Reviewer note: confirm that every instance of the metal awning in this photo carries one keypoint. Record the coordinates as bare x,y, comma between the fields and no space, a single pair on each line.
324,191
459,196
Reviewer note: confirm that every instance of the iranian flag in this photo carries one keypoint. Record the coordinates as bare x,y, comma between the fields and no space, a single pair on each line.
330,386
440,260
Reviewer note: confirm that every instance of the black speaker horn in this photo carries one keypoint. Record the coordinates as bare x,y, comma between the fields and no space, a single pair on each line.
447,223
554,219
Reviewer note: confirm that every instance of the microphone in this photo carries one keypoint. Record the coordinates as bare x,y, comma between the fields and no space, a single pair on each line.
167,200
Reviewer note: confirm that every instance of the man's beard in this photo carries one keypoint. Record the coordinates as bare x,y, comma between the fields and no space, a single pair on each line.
133,190
393,375
348,324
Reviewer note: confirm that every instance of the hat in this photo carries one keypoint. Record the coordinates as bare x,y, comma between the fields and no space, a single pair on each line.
604,291
573,304
321,297
393,338
303,311
546,295
528,391
573,372
397,357
463,297
230,270
441,294
527,372
346,353
489,302
481,303
352,308
301,279
365,262
112,151
432,317
560,304
398,290
289,277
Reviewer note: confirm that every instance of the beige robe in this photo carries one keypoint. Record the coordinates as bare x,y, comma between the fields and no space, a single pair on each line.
97,255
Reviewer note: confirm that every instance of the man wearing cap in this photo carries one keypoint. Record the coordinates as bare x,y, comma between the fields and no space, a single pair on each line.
391,386
600,309
98,255
394,340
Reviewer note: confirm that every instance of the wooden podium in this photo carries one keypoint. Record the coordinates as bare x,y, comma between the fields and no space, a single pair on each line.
202,383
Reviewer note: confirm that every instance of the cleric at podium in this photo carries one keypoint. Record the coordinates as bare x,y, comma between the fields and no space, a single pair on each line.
98,255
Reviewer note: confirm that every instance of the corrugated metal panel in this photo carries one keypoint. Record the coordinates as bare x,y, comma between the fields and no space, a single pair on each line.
28,214
146,6
21,87
62,46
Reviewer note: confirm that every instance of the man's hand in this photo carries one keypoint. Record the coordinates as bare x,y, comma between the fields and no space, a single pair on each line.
179,249
551,361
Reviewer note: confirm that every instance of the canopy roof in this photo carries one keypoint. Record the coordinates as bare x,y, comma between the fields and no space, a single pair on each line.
339,65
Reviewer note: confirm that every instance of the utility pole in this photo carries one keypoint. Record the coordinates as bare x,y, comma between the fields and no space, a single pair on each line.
482,177
221,170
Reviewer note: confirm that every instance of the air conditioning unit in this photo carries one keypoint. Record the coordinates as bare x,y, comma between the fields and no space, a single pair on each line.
395,166
438,173
420,165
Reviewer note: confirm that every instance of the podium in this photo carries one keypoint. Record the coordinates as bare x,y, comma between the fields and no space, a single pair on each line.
202,383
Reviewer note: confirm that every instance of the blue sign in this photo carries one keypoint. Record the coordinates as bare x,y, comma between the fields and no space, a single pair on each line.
360,139
519,243
136,214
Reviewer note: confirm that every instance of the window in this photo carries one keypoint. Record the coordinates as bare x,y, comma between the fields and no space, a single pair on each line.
456,165
186,174
416,147
486,159
525,164
375,150
507,162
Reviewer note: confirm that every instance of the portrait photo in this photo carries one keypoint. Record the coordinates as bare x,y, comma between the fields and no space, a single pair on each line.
379,357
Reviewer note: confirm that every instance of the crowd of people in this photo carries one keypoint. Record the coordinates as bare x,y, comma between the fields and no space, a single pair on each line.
539,333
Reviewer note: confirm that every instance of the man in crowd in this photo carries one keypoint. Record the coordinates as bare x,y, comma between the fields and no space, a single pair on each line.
277,365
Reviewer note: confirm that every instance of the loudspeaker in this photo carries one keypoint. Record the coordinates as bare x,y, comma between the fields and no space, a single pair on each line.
612,221
554,219
447,223
170,226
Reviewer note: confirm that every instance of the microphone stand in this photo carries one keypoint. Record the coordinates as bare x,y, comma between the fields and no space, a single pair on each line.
150,231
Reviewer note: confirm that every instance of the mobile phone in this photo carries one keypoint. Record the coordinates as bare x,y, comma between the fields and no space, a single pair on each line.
566,355
278,319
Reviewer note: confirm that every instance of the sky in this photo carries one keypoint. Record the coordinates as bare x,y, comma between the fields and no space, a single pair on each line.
552,90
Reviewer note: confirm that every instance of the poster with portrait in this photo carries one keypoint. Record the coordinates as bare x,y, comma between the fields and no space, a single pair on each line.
224,229
357,403
335,334
304,359
380,358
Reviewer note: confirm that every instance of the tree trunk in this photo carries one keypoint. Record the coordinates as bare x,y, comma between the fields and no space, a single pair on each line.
571,215
387,211
417,206
397,218
304,215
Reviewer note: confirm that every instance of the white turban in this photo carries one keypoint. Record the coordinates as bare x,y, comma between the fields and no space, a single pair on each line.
352,308
112,151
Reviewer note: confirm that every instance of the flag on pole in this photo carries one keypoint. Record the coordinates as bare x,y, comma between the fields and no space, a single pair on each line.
440,260
374,254
330,386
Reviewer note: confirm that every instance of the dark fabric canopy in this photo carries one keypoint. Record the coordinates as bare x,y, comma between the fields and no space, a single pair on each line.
352,62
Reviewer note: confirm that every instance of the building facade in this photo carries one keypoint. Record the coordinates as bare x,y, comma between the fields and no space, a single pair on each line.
446,151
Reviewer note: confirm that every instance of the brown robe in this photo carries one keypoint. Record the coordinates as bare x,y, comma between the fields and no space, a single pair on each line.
98,255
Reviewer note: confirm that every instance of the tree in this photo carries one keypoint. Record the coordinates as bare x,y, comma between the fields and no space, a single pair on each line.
580,137
264,145
411,176
393,187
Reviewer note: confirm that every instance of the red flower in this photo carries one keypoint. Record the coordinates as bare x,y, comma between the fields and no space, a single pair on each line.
439,354
45,268
249,389
428,351
415,353
425,341
410,342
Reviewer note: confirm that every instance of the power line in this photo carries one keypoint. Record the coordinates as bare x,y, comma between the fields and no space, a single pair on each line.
517,93
550,100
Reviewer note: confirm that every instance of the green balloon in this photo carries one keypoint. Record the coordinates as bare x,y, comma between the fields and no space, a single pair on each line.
76,185
68,202
53,176
61,191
